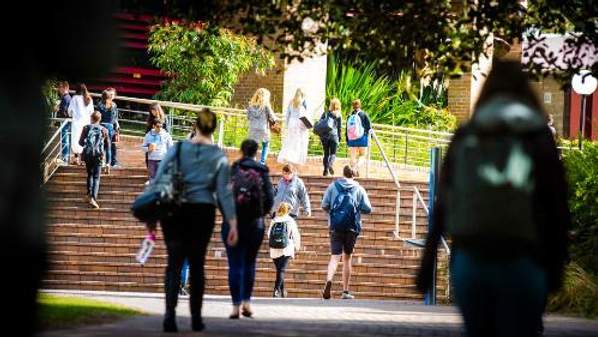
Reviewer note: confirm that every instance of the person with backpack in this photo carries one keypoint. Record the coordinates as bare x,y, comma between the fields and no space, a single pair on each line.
80,108
291,189
93,140
284,240
357,135
328,128
156,143
502,200
187,232
253,195
109,120
344,201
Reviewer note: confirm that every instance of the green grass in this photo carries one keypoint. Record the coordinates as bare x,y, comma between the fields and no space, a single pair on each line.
579,294
59,312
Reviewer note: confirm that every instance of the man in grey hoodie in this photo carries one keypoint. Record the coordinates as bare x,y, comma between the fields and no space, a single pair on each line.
291,189
344,200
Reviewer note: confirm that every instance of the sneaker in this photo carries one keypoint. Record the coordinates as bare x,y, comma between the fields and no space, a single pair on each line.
325,174
117,166
331,170
94,203
326,291
61,162
147,183
277,293
347,296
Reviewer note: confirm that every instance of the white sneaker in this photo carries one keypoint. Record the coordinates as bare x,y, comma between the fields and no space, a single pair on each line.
347,296
147,183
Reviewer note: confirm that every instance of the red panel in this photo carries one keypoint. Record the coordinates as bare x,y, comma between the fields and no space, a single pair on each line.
591,116
594,122
574,115
142,71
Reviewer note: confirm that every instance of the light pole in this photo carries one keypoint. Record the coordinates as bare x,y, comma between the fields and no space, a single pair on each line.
583,84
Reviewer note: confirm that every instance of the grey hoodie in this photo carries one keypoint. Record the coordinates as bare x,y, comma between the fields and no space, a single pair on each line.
207,175
358,193
259,129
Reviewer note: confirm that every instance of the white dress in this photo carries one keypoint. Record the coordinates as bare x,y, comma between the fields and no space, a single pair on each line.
81,116
296,139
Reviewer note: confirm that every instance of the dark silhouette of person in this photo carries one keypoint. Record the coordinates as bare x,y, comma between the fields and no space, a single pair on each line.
507,220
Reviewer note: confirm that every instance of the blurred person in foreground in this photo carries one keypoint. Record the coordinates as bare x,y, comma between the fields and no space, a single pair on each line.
502,199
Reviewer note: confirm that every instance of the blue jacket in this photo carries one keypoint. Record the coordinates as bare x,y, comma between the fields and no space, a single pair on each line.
358,193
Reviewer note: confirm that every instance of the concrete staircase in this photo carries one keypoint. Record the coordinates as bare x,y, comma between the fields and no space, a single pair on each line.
95,249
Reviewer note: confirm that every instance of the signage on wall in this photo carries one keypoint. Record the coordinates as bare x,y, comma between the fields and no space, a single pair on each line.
548,97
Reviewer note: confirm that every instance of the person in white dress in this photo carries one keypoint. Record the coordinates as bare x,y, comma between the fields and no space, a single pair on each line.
296,136
80,109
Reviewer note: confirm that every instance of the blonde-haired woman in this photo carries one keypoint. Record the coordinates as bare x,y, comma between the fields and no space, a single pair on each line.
331,140
296,139
285,240
260,114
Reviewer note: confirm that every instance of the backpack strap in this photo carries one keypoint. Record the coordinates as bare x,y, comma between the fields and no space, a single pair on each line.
178,155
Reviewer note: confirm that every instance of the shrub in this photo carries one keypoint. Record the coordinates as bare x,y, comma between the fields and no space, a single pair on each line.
579,294
203,63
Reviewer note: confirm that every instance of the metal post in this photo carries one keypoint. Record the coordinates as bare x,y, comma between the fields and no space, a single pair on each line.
582,122
397,214
430,296
414,214
367,164
406,140
221,131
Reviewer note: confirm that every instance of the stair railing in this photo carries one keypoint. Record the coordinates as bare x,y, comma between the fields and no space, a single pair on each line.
52,151
395,179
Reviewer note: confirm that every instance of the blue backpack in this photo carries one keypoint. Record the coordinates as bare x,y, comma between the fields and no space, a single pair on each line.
343,213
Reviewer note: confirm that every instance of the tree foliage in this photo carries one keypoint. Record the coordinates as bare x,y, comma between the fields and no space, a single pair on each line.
432,37
204,63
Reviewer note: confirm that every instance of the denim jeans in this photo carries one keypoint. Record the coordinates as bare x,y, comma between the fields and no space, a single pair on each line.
152,168
187,234
110,149
265,147
93,180
329,145
241,259
65,140
499,298
281,264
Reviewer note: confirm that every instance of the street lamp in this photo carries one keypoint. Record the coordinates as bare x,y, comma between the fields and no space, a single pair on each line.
583,84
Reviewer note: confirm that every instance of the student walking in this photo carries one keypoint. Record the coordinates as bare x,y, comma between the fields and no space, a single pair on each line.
80,108
62,112
155,144
502,198
253,194
291,189
260,115
206,174
93,141
357,135
296,135
284,240
344,201
109,112
330,137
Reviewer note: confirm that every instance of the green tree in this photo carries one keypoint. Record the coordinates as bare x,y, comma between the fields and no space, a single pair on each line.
203,63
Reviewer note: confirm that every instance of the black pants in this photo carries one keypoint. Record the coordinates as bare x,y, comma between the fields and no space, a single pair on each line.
330,146
187,235
281,264
93,179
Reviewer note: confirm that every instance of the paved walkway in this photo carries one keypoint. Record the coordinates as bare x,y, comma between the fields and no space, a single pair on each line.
301,317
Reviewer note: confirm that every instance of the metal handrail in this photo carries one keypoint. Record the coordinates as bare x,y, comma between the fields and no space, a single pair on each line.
418,197
395,179
49,164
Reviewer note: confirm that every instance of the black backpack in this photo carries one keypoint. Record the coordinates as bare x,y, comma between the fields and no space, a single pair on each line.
344,210
324,126
279,235
93,151
248,193
489,196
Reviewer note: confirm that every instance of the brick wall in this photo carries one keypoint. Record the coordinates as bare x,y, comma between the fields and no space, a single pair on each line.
552,97
459,97
249,82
